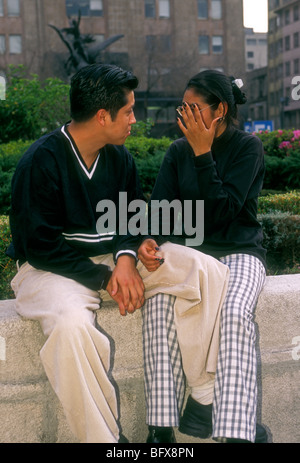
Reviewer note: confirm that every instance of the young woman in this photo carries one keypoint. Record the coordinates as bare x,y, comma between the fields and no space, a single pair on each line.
223,166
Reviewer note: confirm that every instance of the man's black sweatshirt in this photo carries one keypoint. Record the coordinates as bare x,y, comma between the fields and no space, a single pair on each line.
54,208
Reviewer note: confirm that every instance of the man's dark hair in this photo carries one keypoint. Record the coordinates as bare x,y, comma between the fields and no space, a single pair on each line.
99,86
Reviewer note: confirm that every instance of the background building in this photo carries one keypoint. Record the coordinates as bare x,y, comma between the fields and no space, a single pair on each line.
257,86
164,41
256,49
283,63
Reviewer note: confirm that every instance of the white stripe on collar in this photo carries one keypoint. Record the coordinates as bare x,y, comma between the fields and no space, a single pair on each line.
88,174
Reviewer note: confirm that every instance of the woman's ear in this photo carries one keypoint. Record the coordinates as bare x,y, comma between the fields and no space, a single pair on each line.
222,109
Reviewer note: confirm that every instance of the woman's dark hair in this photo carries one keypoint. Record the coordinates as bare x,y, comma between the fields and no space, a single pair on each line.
215,87
99,86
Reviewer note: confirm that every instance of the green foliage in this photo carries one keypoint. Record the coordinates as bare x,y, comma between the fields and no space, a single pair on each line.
7,266
282,159
148,154
288,202
10,153
142,128
282,241
32,107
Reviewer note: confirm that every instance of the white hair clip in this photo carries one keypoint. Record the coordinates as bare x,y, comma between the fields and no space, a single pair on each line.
238,82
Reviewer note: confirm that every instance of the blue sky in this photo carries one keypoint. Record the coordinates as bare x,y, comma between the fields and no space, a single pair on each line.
256,14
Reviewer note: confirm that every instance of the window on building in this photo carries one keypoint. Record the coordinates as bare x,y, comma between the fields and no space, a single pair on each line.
13,8
165,43
96,8
261,115
1,8
217,44
86,7
261,87
150,11
296,13
279,71
150,43
250,54
296,40
296,66
287,42
202,9
278,20
287,16
250,66
15,44
272,24
251,41
2,44
164,8
216,9
287,69
203,44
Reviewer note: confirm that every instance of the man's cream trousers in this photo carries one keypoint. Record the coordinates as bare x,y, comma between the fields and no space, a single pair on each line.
76,356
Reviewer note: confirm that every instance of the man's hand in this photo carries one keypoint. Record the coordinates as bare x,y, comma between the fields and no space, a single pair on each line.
126,286
147,255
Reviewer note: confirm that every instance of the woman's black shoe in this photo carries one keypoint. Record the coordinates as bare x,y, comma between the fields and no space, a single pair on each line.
160,435
196,421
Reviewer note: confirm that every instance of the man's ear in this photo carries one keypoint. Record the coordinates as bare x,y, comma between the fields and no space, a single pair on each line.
101,115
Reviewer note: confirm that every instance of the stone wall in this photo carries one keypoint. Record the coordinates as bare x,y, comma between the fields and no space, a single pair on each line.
31,413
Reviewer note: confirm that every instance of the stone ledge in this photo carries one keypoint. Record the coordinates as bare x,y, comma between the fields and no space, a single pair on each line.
30,411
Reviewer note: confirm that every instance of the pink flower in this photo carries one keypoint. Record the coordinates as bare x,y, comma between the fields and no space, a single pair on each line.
296,133
280,132
285,145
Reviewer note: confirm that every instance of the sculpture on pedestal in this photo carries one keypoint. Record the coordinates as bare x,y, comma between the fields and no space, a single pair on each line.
80,47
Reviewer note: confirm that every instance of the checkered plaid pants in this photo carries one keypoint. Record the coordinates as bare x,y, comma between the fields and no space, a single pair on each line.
235,394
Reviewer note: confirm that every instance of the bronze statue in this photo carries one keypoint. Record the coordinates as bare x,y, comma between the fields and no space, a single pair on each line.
81,54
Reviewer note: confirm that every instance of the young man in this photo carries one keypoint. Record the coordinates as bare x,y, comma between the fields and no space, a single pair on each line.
67,265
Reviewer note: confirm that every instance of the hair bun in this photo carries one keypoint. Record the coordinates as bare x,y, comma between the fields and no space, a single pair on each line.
239,96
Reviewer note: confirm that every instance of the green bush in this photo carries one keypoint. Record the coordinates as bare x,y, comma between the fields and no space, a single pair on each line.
282,241
32,107
7,266
10,153
287,202
148,154
282,159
